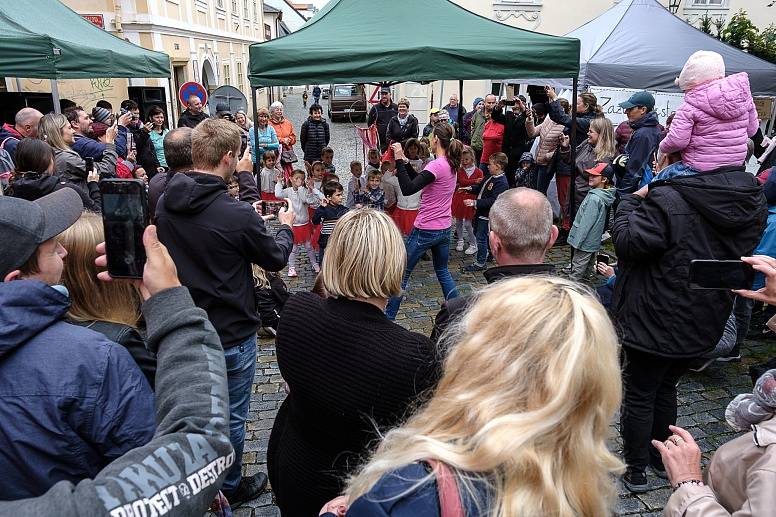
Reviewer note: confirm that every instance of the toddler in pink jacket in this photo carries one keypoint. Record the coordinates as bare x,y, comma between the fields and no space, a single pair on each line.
717,117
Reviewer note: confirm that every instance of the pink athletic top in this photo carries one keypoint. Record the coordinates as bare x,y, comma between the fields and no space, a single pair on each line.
435,211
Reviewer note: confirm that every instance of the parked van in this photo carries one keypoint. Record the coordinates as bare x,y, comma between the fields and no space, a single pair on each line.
348,101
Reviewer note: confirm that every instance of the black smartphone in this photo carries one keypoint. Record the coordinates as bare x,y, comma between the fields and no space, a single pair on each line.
720,274
124,218
511,102
89,164
603,258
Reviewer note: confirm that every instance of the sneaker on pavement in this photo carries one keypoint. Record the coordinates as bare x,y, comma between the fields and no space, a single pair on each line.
474,267
249,488
635,481
471,250
316,268
460,245
291,272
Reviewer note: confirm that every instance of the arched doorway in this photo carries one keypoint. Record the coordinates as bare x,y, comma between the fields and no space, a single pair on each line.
208,76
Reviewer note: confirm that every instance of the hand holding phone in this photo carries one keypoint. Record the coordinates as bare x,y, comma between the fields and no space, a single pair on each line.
159,271
125,218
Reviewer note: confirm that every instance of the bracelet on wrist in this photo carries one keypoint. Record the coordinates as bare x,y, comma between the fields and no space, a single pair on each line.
697,482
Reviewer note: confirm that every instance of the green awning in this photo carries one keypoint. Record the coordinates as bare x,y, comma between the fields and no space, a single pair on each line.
357,41
44,39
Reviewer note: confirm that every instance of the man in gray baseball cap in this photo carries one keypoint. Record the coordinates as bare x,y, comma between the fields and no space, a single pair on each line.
28,230
92,403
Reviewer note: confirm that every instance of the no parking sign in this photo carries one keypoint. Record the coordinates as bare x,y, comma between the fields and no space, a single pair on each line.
189,89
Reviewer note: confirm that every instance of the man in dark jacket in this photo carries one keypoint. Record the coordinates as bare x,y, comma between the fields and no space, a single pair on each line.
91,402
191,411
515,139
193,114
25,126
213,240
381,114
141,140
454,108
177,154
314,135
521,233
646,135
657,231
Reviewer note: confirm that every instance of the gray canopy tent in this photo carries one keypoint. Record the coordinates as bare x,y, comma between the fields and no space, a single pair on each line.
640,44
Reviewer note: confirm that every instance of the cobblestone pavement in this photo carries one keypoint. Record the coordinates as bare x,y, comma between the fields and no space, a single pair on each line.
702,397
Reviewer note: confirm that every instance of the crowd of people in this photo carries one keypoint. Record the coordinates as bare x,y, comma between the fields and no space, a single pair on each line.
131,398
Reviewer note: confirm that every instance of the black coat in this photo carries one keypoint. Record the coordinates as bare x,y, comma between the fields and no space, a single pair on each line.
213,240
557,115
713,215
130,339
32,186
397,133
515,141
313,137
381,115
325,427
188,119
453,309
146,152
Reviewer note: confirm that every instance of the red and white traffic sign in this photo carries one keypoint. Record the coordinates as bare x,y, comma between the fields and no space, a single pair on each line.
189,89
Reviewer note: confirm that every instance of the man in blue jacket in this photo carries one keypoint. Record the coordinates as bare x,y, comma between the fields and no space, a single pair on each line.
646,135
71,401
86,146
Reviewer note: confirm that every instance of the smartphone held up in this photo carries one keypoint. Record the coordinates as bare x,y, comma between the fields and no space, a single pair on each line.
721,274
124,217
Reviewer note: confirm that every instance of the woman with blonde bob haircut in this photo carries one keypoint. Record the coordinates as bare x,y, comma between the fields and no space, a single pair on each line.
520,417
350,371
110,308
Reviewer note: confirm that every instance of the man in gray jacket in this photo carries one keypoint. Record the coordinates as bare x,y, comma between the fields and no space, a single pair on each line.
179,472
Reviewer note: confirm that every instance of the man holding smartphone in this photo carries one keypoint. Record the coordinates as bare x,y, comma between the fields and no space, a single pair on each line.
213,240
657,231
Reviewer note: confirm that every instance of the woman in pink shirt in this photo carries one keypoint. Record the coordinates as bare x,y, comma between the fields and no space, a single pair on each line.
432,225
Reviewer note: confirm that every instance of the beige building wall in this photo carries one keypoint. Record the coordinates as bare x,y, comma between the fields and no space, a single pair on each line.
207,41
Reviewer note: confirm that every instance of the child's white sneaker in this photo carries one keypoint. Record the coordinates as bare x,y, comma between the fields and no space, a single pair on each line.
291,272
460,245
471,250
316,268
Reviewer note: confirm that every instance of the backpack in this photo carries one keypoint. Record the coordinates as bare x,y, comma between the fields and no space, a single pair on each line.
6,168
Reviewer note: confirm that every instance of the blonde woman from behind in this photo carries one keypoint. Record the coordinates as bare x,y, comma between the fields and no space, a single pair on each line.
520,416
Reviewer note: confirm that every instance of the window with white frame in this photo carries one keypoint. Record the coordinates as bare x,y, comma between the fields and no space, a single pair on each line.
709,3
240,79
220,4
227,74
235,13
255,12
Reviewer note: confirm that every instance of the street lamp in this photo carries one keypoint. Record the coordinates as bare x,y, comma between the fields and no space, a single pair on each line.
673,6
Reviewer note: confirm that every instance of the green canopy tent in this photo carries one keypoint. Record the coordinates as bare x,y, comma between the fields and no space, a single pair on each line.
353,41
45,39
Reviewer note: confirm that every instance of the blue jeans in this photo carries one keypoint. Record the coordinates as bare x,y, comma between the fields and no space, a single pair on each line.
481,233
418,241
544,174
240,369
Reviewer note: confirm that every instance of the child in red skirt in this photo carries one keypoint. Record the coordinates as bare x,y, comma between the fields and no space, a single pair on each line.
300,197
406,206
469,174
268,176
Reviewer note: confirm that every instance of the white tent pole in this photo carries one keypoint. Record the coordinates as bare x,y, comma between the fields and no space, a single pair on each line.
55,96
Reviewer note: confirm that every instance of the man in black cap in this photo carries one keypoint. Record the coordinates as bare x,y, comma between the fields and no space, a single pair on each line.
91,402
382,113
639,109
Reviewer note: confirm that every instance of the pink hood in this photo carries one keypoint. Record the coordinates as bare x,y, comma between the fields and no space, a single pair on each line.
713,124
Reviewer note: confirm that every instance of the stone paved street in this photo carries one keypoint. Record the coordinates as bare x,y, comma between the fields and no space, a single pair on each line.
702,399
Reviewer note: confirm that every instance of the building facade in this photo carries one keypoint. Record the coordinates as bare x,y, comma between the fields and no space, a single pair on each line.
207,41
